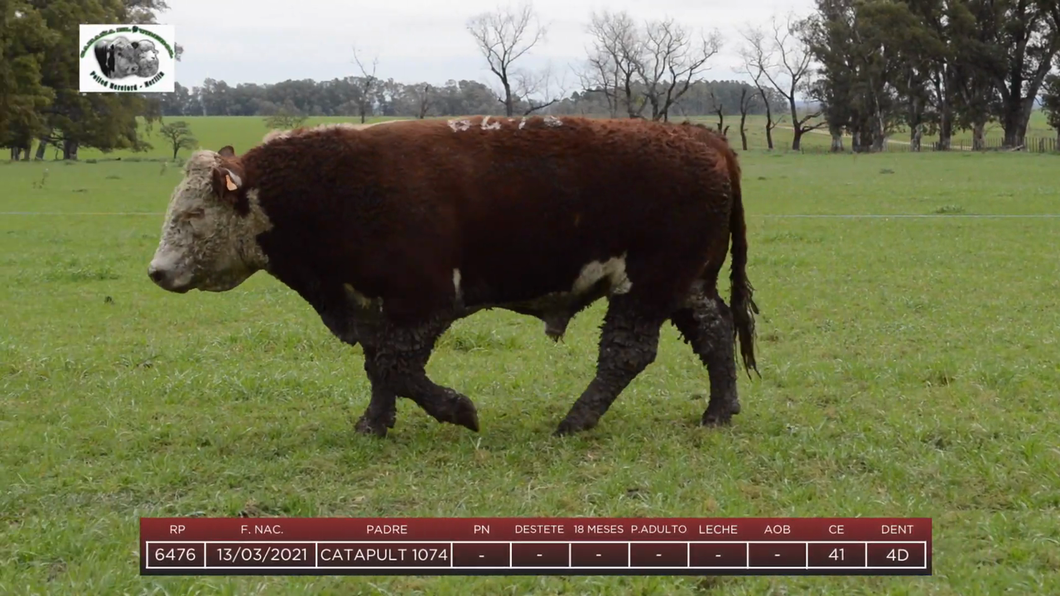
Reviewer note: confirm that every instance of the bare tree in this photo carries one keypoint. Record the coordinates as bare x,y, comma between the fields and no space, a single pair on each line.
671,60
720,111
503,37
366,85
753,54
781,57
538,89
615,59
422,95
747,101
598,75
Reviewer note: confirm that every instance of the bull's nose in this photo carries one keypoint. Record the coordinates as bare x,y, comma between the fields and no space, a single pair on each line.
168,278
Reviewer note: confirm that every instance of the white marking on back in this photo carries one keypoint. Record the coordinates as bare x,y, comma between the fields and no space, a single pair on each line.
456,284
277,135
459,125
552,121
522,123
487,126
614,269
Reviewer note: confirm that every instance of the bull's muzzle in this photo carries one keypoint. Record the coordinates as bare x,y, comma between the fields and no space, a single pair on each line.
167,278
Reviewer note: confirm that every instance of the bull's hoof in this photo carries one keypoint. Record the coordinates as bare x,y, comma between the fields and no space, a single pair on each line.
372,428
720,415
465,414
573,425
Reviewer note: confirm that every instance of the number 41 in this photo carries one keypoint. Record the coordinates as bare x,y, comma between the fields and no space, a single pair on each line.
837,554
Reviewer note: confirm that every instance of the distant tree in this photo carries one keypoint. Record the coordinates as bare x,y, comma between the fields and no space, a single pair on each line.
23,97
637,67
1021,39
178,134
753,54
672,58
537,90
367,84
719,109
504,36
781,56
1051,103
286,118
747,102
864,48
72,119
614,62
422,95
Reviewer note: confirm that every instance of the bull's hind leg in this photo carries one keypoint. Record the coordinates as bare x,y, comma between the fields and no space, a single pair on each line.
628,343
395,364
706,324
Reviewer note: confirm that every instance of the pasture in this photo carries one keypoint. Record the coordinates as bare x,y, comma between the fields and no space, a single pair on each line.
909,368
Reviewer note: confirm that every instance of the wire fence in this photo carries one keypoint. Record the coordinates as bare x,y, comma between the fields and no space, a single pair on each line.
1028,144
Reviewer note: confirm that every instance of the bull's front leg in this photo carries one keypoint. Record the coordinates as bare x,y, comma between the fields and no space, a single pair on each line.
396,364
382,408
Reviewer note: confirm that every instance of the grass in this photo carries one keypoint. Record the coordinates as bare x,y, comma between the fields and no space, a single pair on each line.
908,369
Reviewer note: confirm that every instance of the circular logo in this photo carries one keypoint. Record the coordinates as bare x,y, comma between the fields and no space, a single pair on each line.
124,56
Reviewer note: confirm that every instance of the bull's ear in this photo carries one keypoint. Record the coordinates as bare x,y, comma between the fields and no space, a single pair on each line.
227,151
226,184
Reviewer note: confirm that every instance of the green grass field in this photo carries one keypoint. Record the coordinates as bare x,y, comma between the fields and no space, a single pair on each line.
909,368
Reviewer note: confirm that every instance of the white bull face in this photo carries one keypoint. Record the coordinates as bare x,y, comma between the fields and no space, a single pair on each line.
209,238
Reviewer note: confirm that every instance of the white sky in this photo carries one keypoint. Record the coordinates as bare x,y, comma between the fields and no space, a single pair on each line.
255,41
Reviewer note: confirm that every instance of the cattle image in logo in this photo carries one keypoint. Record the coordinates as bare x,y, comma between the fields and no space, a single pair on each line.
119,57
393,232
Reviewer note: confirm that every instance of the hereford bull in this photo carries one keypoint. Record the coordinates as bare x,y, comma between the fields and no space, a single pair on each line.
392,233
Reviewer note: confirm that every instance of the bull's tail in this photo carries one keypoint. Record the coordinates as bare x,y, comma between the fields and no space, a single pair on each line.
741,302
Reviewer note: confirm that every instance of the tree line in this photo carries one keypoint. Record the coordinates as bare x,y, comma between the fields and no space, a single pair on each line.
356,97
930,67
871,68
39,98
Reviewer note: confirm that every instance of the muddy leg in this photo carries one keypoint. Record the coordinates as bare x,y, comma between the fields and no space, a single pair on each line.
382,409
628,343
395,367
706,324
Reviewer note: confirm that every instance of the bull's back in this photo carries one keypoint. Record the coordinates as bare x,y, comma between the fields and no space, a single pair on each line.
533,201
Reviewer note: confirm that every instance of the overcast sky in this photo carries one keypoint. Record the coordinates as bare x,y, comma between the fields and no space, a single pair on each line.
251,41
